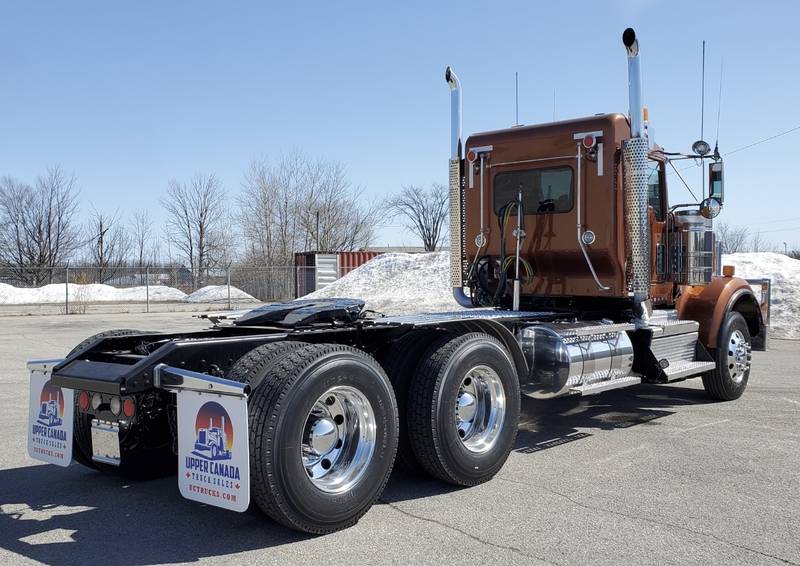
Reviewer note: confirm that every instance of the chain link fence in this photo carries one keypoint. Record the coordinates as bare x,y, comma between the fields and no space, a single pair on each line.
82,289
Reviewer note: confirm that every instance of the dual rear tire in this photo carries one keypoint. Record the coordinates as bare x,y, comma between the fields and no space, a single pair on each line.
323,433
324,427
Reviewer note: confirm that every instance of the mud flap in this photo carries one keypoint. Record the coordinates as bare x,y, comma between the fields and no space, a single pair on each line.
213,443
50,416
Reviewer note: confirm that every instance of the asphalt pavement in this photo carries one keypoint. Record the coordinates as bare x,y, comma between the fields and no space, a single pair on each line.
645,475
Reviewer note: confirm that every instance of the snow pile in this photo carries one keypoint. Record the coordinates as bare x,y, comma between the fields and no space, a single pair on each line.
56,293
218,293
411,283
785,274
397,283
98,293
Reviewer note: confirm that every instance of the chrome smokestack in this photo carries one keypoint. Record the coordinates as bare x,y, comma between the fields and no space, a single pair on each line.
634,82
634,163
456,220
455,112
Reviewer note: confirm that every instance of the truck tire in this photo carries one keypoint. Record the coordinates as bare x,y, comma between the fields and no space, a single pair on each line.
464,408
733,354
137,463
256,364
323,437
400,362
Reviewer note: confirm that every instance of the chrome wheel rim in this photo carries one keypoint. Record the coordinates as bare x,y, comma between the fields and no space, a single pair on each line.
480,409
738,356
338,439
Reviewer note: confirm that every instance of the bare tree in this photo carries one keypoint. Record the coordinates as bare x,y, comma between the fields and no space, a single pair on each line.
333,214
196,219
108,245
141,229
794,254
301,203
37,224
424,210
733,239
756,243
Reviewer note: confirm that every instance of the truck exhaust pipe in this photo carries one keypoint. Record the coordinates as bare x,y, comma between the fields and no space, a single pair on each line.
634,82
456,204
634,162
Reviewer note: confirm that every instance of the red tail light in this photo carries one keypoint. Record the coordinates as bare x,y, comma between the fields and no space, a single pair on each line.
128,408
83,401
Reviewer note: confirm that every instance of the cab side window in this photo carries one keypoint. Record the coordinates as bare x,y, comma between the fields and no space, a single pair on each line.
655,190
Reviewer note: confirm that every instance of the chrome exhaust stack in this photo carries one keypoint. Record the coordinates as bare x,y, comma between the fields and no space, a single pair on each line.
634,163
456,199
635,111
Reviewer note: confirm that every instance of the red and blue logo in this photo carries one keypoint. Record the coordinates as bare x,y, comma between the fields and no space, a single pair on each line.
51,406
213,433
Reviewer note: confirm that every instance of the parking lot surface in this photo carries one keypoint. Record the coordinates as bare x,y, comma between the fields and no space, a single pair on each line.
645,475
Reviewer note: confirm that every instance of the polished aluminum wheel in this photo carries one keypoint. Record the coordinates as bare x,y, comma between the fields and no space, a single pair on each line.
338,439
738,356
480,409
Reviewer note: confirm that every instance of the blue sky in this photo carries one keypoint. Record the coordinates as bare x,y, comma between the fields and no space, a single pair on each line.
129,95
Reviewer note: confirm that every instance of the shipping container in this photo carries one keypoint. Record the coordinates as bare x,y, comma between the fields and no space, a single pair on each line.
316,270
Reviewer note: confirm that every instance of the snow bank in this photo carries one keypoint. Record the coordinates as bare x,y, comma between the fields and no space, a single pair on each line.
94,293
411,283
397,283
97,293
218,293
784,273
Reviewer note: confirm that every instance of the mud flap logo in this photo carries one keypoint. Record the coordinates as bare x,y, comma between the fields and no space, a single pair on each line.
50,421
213,449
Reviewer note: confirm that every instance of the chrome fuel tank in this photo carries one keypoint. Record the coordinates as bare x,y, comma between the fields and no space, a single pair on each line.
565,356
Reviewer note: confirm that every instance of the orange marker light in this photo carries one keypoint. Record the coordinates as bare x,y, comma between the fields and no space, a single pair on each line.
728,270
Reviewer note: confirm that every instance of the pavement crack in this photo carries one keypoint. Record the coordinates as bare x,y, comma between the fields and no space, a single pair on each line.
467,534
658,522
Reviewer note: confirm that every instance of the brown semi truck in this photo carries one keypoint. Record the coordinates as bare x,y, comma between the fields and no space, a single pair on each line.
576,274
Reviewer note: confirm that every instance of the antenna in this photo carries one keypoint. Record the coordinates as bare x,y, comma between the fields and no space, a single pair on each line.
719,100
703,112
703,91
516,98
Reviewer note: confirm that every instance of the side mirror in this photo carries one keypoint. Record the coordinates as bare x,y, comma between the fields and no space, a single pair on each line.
710,208
716,183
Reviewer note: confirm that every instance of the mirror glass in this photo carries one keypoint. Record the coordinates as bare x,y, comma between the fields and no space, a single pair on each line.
716,185
710,208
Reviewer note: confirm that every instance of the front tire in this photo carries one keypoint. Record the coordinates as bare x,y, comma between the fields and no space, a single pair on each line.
323,437
464,408
733,354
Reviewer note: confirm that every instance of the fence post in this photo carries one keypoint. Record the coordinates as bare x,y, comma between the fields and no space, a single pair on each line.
228,274
147,287
66,289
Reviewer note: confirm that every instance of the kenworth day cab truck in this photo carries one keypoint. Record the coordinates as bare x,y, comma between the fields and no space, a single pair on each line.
576,275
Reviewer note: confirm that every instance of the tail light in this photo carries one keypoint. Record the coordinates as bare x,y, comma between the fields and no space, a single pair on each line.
115,405
128,407
83,401
97,400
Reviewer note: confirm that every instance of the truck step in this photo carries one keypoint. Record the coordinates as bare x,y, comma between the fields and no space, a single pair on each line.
600,386
683,369
675,348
